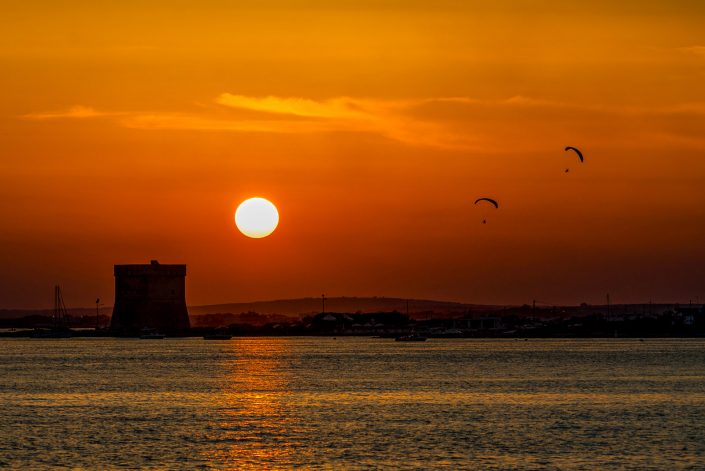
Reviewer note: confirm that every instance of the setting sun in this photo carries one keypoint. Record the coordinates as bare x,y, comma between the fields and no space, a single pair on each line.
256,217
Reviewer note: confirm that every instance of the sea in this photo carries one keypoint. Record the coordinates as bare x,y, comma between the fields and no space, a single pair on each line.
352,403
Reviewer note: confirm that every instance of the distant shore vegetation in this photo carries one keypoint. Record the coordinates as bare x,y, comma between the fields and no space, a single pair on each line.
642,320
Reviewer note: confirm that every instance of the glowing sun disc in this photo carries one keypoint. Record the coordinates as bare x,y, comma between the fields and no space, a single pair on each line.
256,217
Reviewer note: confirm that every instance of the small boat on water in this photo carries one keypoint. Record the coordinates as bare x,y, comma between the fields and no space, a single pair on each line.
151,334
221,333
411,338
154,336
217,337
60,318
52,334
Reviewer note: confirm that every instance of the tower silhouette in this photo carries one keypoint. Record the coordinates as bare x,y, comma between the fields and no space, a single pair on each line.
150,297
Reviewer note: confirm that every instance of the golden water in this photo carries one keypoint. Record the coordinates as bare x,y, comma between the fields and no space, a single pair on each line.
352,403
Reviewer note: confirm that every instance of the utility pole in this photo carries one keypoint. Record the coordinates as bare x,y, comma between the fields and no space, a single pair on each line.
608,306
323,304
97,313
57,309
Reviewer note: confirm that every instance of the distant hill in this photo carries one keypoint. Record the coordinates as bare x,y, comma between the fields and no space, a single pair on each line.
291,307
307,306
297,308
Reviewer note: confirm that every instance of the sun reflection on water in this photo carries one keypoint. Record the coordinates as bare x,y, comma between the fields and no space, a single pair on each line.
255,423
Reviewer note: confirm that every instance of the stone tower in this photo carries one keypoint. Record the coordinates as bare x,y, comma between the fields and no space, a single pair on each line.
150,296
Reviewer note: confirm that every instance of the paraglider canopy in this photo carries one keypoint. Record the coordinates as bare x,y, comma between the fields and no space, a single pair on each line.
577,151
489,200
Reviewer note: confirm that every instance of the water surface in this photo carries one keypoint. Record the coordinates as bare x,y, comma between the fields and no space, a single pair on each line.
352,403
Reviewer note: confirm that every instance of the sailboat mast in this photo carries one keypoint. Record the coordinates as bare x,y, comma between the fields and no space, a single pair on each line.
57,313
60,311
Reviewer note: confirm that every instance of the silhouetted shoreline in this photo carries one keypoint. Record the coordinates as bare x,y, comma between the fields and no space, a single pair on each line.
626,321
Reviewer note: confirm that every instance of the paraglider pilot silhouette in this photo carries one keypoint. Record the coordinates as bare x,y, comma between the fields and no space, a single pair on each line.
577,152
486,202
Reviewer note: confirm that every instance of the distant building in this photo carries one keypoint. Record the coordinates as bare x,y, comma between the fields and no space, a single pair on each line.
690,315
483,323
150,297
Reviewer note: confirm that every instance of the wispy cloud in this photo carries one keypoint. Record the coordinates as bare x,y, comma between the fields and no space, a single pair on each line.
75,112
192,122
515,101
291,115
336,108
443,122
696,50
694,108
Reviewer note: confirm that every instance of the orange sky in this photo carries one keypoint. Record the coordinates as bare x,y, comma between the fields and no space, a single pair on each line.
131,130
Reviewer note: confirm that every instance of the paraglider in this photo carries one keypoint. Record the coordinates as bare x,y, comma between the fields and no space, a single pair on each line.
487,201
577,152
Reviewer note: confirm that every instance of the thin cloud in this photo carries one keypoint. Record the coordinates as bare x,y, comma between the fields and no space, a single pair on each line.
395,127
337,108
75,112
424,122
694,108
388,118
157,121
517,100
695,50
288,115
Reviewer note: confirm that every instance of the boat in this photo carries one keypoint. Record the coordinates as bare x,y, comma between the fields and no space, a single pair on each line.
151,334
221,333
411,338
60,318
217,337
52,334
154,336
449,334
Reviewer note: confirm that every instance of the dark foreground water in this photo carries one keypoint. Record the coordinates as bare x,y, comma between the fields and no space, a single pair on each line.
354,403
